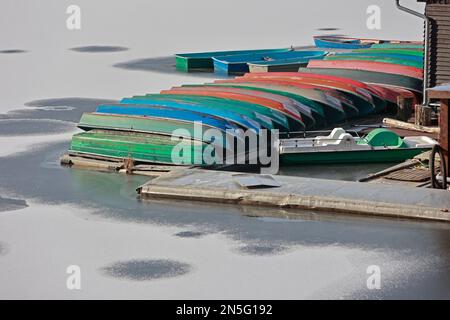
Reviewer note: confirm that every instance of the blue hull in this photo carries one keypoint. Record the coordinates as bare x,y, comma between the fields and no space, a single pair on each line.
320,43
268,118
168,113
233,117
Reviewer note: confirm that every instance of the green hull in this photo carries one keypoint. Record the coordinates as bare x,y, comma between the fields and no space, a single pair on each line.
397,46
138,146
337,157
162,126
418,53
194,64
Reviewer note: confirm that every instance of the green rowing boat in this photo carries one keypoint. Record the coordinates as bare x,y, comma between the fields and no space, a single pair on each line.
141,147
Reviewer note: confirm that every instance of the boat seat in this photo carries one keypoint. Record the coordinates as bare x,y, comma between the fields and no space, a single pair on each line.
334,135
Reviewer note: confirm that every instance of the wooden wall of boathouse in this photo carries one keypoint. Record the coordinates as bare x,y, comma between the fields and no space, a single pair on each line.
439,41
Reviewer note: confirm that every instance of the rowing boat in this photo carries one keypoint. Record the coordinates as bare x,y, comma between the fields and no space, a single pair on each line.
315,108
283,64
368,66
202,61
141,147
332,108
361,99
375,58
335,42
409,83
397,46
291,108
165,124
333,96
268,118
380,145
143,107
239,64
337,82
407,52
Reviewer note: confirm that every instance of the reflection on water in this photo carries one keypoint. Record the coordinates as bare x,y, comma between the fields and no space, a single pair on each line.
13,127
161,65
189,234
99,49
142,270
12,51
7,204
3,248
66,109
261,249
327,29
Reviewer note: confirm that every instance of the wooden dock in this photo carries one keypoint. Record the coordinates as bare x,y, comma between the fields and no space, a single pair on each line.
302,193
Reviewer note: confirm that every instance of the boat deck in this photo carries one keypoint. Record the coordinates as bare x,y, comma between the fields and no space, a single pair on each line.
301,193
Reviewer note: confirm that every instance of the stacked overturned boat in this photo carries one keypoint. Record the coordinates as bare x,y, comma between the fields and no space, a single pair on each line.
285,89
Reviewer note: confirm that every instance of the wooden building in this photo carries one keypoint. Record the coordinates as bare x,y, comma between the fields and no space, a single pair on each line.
438,13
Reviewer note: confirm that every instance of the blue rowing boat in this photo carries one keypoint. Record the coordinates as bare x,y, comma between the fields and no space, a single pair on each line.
238,64
161,113
142,106
335,42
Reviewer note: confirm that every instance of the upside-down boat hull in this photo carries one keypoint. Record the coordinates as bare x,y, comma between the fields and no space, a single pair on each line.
368,66
387,59
337,82
144,107
151,124
289,107
142,147
266,117
362,100
409,83
316,109
334,112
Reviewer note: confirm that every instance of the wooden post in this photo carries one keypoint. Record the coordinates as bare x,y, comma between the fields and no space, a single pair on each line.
404,110
423,115
444,125
443,94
